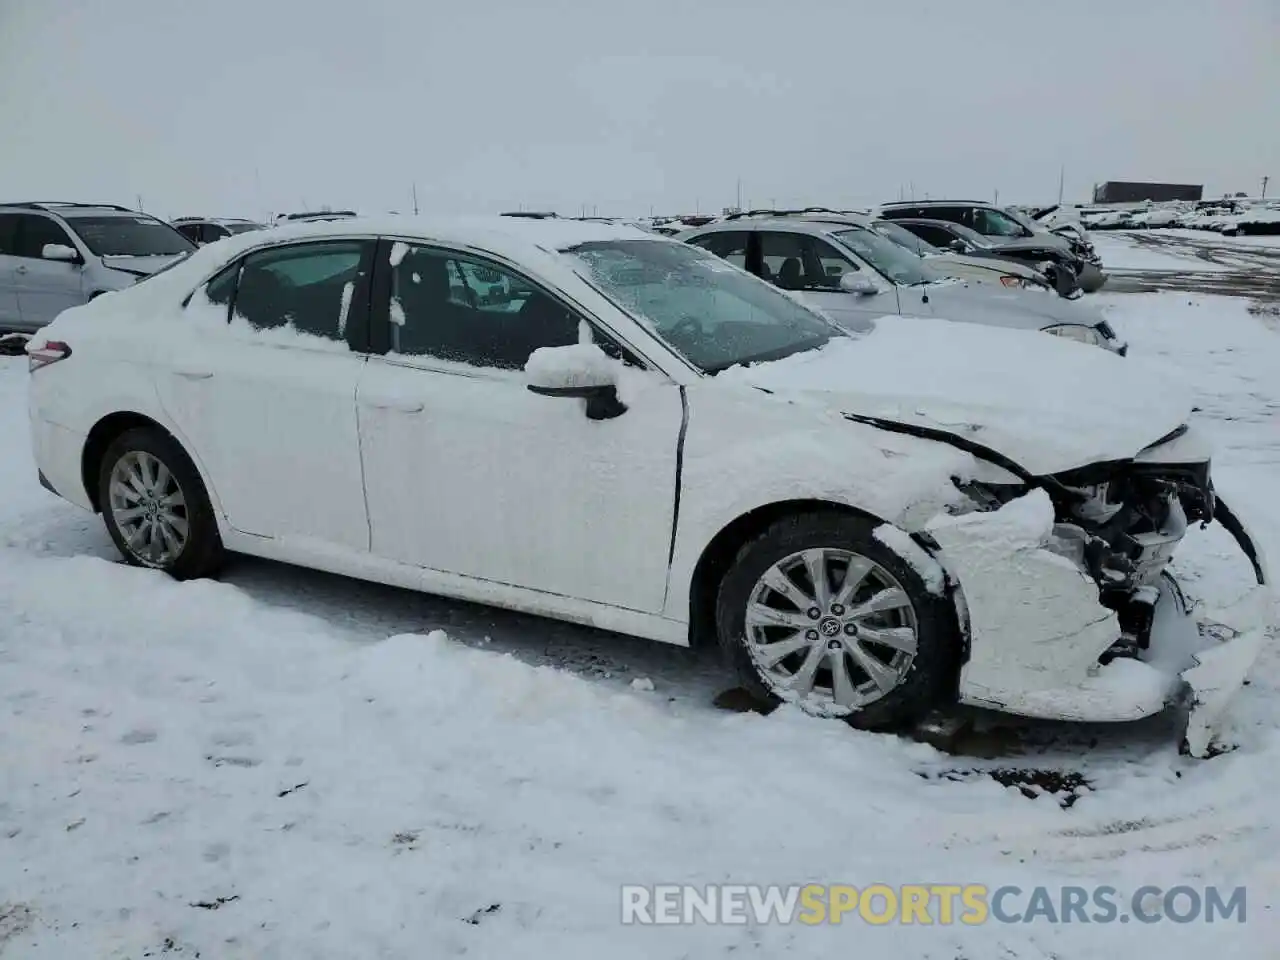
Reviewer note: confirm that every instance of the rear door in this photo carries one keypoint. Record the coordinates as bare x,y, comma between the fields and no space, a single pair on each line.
266,399
44,287
9,316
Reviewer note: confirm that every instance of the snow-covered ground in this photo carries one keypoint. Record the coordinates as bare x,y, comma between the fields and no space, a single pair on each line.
1122,251
1218,240
289,765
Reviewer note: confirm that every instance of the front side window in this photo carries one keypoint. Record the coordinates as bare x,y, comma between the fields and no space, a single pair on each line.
886,257
35,232
994,224
212,231
715,316
456,308
308,288
189,230
129,236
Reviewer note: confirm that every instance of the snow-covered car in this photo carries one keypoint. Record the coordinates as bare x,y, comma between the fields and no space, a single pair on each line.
657,443
839,264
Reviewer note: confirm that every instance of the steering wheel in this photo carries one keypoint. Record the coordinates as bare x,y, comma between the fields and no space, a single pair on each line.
688,328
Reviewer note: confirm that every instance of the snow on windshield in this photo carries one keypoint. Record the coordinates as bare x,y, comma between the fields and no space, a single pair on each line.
714,314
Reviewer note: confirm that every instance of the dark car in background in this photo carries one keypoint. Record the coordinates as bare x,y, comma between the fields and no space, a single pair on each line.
1003,226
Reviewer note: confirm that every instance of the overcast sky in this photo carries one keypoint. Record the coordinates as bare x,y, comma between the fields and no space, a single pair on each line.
238,107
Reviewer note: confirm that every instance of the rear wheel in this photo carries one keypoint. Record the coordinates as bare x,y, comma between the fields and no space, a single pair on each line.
818,612
155,505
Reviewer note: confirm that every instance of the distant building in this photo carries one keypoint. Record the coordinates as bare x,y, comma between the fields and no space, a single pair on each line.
1118,191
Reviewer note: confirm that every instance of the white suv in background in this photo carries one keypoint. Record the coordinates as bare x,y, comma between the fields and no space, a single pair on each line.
59,255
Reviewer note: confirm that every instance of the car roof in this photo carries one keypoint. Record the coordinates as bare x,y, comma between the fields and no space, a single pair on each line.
67,209
898,204
816,224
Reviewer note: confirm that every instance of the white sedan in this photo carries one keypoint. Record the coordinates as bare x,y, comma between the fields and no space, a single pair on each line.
628,432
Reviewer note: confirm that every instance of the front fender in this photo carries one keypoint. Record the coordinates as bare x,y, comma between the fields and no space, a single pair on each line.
893,478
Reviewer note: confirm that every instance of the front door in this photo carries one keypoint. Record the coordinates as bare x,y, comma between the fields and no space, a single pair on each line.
44,287
468,472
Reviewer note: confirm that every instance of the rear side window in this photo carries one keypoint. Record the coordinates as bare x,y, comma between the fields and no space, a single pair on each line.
8,234
730,245
931,234
308,288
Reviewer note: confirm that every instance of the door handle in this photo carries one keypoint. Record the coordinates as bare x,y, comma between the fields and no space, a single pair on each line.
399,406
20,269
194,374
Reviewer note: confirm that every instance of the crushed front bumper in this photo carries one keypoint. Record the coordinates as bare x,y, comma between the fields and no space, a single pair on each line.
1042,645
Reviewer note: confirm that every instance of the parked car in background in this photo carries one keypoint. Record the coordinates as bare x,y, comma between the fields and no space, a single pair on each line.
310,215
954,263
1005,226
59,255
202,230
654,443
840,264
1044,257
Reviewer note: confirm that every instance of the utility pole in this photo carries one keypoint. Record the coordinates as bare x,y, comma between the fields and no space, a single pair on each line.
415,199
996,199
1265,181
1062,177
739,201
140,207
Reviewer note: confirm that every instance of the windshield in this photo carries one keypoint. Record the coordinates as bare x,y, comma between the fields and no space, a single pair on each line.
1033,225
897,263
714,314
905,238
130,236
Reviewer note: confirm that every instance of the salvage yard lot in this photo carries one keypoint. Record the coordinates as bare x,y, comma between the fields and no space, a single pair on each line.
288,764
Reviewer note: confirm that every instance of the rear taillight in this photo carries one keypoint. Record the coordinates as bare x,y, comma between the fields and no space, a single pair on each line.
47,353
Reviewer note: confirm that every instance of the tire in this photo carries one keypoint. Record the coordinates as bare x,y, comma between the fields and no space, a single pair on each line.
921,681
190,516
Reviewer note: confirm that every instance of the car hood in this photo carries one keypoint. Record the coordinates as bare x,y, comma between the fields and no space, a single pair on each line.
1041,241
986,264
995,306
142,266
1046,403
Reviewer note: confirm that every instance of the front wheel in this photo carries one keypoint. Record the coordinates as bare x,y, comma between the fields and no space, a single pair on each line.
819,612
155,505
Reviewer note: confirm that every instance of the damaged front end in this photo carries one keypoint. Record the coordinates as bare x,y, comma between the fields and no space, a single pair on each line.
1083,620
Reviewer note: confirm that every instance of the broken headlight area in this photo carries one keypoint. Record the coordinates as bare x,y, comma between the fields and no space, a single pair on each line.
1120,523
1123,531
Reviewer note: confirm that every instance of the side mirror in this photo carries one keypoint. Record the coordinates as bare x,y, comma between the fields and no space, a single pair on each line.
59,251
859,283
580,370
958,245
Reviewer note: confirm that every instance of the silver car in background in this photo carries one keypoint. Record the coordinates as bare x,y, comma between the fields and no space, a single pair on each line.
54,256
842,266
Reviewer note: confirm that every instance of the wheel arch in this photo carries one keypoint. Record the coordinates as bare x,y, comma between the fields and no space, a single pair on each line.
100,438
713,562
